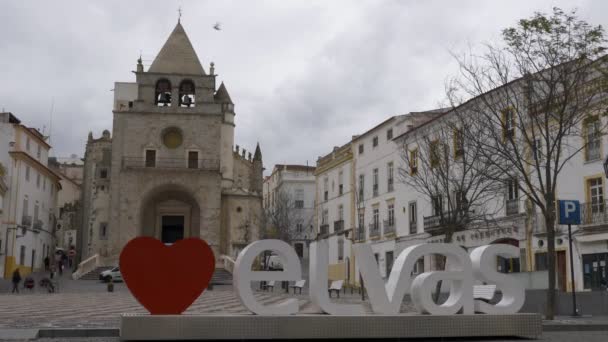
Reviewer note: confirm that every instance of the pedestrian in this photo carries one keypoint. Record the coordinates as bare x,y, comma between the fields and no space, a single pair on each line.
47,262
52,271
64,260
16,280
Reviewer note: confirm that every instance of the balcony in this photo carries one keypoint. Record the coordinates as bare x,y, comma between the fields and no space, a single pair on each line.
324,229
26,221
594,213
338,226
37,226
171,163
512,207
389,227
374,230
432,223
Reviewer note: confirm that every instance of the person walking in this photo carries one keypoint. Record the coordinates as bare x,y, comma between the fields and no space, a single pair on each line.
16,281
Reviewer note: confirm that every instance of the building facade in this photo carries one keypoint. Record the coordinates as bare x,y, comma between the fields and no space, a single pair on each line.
289,197
30,197
169,168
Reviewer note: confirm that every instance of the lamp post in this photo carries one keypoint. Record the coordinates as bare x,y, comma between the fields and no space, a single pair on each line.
606,167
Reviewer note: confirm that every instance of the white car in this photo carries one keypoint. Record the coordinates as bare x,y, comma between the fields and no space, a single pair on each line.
113,274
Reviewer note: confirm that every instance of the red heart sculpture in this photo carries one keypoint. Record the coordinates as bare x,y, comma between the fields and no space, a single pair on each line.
166,280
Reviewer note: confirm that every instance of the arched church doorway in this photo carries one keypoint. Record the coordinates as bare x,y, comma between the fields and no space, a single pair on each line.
170,213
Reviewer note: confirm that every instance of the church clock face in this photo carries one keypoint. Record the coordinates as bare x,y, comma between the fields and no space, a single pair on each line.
172,137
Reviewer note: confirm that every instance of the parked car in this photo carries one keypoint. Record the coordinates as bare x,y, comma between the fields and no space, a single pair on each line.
113,275
274,263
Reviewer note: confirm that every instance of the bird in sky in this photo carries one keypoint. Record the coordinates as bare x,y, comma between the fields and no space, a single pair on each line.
217,26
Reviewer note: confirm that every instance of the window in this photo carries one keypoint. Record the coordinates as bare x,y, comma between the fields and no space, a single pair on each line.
103,173
25,207
593,139
413,162
508,123
340,249
461,200
376,218
22,256
324,217
458,143
361,221
437,202
595,194
537,150
512,189
375,141
340,212
389,134
27,144
299,227
38,151
27,173
413,217
389,262
375,182
340,183
193,159
36,211
391,214
150,158
103,230
360,148
390,176
38,180
434,153
361,186
325,189
540,261
299,199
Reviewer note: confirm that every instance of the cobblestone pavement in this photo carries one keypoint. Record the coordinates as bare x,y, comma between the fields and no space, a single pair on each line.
86,303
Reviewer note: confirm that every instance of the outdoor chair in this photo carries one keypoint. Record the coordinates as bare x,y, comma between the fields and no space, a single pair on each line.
336,286
298,285
269,285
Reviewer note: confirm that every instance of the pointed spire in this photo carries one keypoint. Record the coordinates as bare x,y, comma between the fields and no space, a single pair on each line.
177,56
257,156
222,94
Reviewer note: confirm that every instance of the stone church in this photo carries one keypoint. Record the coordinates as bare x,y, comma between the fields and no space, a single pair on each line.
170,169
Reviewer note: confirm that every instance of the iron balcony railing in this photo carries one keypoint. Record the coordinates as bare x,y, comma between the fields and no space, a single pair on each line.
361,233
26,221
389,227
171,163
594,213
374,229
37,225
512,207
432,222
338,226
324,229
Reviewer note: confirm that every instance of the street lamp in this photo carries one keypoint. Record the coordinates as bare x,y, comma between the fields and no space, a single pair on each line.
606,167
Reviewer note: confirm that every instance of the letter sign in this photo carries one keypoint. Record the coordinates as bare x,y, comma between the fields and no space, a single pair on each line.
569,212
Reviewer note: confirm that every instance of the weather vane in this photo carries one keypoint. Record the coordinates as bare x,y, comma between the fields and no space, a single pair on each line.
179,11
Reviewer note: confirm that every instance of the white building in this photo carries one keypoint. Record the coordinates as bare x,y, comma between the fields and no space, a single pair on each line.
30,199
294,185
335,210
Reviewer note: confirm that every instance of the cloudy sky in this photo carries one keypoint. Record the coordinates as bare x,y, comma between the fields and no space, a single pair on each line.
304,75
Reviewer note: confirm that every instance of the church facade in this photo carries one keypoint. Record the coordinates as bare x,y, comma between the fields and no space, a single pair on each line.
169,168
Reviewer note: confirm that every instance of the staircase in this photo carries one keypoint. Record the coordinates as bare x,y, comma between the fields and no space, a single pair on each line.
94,274
221,277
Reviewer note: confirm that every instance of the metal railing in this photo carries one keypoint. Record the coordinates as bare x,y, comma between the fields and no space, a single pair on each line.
512,207
374,229
360,233
26,221
324,229
432,222
389,227
171,163
338,226
594,213
38,225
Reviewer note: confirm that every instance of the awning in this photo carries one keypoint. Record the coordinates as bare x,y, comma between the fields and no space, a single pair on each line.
591,237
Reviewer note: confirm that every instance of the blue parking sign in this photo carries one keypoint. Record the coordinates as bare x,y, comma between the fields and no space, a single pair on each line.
569,212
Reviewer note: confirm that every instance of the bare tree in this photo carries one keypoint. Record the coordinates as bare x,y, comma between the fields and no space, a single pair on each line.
537,97
451,176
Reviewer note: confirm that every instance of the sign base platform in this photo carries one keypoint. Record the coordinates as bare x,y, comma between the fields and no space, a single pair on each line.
137,327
